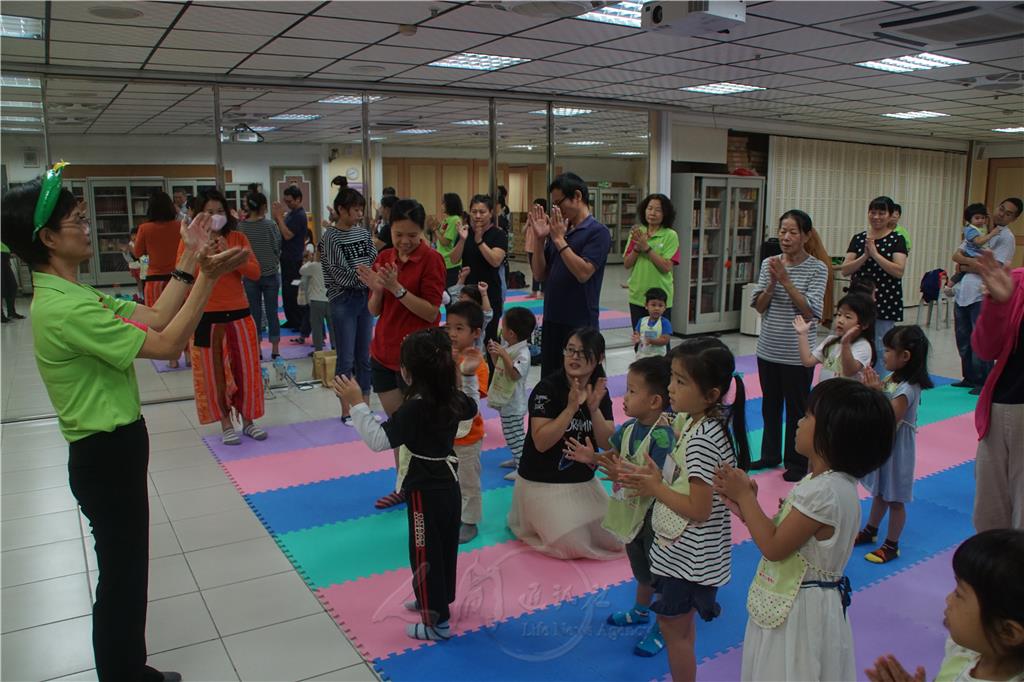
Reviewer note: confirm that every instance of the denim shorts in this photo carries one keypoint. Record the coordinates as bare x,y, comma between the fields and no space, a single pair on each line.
677,597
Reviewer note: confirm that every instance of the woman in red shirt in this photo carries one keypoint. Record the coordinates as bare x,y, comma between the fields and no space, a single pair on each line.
406,284
225,349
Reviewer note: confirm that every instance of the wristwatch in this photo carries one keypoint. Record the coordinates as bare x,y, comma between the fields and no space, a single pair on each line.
400,293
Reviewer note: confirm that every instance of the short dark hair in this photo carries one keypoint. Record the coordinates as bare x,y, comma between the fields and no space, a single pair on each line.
896,208
668,211
347,197
862,285
452,204
389,191
161,208
520,321
990,563
570,183
657,373
802,220
543,203
18,220
973,210
255,200
1017,203
473,291
484,199
866,311
409,209
293,191
388,201
655,294
854,425
882,203
470,311
912,339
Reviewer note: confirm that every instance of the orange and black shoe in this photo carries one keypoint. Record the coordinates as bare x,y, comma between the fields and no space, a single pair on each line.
866,537
884,554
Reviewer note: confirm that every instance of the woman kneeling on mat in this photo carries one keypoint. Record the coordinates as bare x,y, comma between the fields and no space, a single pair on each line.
85,346
557,503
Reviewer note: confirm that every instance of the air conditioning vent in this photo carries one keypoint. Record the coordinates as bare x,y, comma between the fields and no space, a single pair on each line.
952,24
1001,82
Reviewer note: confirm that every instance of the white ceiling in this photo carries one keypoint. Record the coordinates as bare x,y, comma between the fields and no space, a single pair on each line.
802,52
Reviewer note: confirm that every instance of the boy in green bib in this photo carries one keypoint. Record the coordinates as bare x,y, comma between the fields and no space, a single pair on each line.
647,432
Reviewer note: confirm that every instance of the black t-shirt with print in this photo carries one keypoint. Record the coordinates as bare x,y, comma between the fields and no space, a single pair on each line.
888,289
548,399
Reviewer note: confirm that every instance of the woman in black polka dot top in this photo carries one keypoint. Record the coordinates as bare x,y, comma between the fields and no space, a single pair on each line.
880,255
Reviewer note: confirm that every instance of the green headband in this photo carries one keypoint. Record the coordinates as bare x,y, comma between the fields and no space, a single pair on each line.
48,195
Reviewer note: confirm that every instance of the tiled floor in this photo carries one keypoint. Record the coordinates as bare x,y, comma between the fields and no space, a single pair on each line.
225,602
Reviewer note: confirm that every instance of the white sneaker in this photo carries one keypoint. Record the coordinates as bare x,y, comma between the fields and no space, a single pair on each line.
512,475
508,464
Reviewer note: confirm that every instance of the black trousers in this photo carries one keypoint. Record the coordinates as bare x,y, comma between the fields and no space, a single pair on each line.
434,520
9,284
787,385
290,293
553,337
107,472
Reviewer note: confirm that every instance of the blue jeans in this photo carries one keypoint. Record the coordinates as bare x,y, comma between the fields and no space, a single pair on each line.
353,328
262,293
975,370
881,327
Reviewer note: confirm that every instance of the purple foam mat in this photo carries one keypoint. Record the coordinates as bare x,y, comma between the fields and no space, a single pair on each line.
296,436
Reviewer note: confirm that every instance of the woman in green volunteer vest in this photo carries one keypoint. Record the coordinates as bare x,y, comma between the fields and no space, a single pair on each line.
85,345
650,255
448,235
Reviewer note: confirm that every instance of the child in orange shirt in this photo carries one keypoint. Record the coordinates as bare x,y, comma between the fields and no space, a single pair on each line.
465,325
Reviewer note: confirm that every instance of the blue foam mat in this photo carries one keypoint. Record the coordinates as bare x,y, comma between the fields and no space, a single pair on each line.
568,641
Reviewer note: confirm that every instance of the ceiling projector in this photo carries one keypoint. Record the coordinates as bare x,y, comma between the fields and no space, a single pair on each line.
692,18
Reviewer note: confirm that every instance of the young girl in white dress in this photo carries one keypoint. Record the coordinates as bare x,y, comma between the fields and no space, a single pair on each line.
798,628
892,485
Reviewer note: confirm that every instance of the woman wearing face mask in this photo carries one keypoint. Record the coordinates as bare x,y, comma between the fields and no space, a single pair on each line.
789,284
226,349
482,247
406,284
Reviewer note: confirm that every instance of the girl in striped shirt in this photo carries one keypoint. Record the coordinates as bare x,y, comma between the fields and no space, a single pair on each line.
691,555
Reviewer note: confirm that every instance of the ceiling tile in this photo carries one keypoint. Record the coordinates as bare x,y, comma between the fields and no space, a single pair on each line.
208,40
718,74
437,73
546,68
482,19
284,63
22,50
785,63
83,51
440,39
614,75
863,51
310,48
814,12
523,47
286,6
667,82
599,56
800,39
820,87
754,26
885,80
667,65
502,78
836,73
580,32
100,33
154,14
777,80
726,53
399,55
324,28
24,8
981,53
235,19
196,58
618,89
388,12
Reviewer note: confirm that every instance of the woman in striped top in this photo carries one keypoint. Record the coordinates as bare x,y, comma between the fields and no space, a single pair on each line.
790,284
343,248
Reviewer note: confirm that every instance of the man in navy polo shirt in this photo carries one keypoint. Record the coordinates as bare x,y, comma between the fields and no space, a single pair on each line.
293,244
571,265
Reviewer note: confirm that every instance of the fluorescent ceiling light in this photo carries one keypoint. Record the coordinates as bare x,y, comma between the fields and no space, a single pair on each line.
919,62
722,88
416,131
18,82
20,27
1018,129
528,147
916,114
585,143
564,111
21,105
262,129
20,130
349,99
621,13
20,119
295,117
473,122
628,154
477,62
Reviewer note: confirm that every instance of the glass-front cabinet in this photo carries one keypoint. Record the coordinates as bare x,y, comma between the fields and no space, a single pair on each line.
116,206
616,207
718,217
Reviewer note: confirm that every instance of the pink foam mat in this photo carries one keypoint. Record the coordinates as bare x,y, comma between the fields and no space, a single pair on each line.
308,465
495,584
940,446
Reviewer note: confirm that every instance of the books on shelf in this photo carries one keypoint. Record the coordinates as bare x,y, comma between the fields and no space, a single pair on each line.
744,245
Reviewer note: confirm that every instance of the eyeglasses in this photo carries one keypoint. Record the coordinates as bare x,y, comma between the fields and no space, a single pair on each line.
578,353
81,220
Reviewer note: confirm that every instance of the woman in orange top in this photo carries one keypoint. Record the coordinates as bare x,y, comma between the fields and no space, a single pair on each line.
225,349
158,238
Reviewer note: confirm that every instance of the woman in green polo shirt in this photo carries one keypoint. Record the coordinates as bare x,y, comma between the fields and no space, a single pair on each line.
448,236
651,254
85,344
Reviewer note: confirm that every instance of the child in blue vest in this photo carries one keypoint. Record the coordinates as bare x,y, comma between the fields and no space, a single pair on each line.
652,333
647,433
